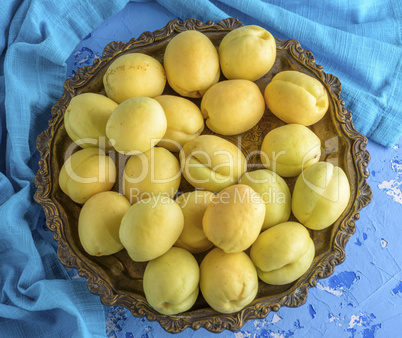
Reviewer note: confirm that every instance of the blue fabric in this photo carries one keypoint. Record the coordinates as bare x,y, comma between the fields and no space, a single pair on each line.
36,37
358,41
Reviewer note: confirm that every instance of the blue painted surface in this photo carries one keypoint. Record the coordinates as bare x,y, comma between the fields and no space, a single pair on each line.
363,298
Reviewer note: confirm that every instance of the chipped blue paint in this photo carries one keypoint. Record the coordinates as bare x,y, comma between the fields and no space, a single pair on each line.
88,36
84,57
395,163
297,324
393,187
365,321
337,284
342,280
311,310
369,332
364,238
266,333
115,318
398,288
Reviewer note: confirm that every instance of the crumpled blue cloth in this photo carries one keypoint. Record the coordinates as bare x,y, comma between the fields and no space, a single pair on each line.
36,37
358,41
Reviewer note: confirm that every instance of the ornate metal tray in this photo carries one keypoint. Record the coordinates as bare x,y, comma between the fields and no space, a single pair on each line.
117,279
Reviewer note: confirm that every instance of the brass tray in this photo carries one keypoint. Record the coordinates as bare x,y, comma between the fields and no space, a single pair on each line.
117,279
